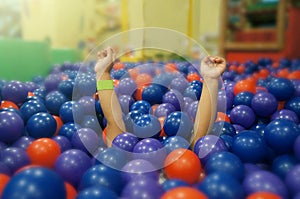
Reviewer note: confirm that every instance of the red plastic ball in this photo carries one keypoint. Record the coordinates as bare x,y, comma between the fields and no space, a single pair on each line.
222,117
44,152
183,164
192,76
244,85
170,67
71,191
59,123
184,193
3,181
143,80
8,104
138,92
118,66
263,195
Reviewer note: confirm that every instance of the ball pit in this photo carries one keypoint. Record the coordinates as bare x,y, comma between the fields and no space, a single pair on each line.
252,150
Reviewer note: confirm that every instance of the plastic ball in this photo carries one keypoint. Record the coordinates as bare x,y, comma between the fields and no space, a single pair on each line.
263,195
70,111
66,87
285,114
175,98
14,91
41,125
88,105
179,84
221,185
178,123
192,110
70,191
68,130
11,126
281,165
175,142
63,142
71,165
138,167
147,126
14,158
102,175
297,147
208,145
244,86
4,169
4,179
223,128
53,101
173,183
142,187
91,121
142,106
192,93
184,193
183,164
125,141
52,81
126,102
112,157
150,149
35,183
281,88
164,110
296,84
127,86
225,162
32,107
265,181
294,105
242,115
281,134
86,140
8,104
292,180
249,146
264,104
97,192
43,152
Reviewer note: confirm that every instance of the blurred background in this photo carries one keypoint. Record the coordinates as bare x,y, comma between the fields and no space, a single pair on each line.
35,34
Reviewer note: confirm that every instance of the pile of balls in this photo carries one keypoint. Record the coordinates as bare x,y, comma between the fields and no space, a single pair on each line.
53,145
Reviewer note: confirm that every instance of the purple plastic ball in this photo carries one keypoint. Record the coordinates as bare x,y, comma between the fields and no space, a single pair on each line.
186,102
86,140
14,158
125,102
175,98
264,104
125,141
127,86
285,114
265,181
138,167
292,180
72,164
208,145
88,104
297,147
142,187
52,81
179,84
192,110
164,110
294,105
63,142
23,142
4,169
11,126
296,84
14,91
242,115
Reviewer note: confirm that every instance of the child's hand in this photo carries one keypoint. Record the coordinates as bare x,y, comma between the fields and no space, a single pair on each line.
106,58
212,67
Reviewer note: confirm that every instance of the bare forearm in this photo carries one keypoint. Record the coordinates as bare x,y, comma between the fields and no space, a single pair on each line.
206,109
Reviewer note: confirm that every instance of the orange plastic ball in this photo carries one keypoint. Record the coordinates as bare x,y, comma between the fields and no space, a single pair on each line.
104,136
241,69
244,85
280,105
294,75
118,66
170,67
3,181
43,152
192,76
143,80
59,124
264,73
71,191
8,104
138,93
134,72
222,117
183,164
283,73
162,121
263,195
184,193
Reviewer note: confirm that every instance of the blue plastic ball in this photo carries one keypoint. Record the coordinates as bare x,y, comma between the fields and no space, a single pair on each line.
282,164
68,130
35,183
178,123
142,106
102,175
221,128
243,98
32,107
294,105
221,185
292,180
297,147
249,146
112,157
281,88
41,125
147,126
175,142
281,134
71,111
97,192
53,101
173,183
153,94
66,88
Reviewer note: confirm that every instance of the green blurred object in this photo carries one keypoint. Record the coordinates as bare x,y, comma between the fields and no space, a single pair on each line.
61,55
22,60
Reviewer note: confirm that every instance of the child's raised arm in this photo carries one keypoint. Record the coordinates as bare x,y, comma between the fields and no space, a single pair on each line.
107,96
211,69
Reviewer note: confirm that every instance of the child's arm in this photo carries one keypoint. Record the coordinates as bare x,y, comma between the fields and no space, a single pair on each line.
211,69
108,98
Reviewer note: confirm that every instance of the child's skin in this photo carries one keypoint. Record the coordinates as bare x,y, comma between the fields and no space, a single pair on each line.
211,69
